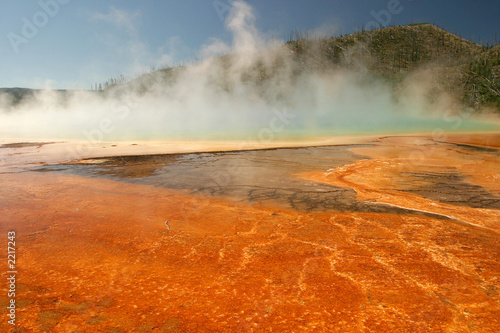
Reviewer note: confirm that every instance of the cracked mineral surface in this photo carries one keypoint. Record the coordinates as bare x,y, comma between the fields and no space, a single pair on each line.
392,234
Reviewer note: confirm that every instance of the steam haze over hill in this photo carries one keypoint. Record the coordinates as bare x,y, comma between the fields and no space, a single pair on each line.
398,79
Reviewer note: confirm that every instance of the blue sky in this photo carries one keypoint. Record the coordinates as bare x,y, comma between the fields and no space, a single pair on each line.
74,43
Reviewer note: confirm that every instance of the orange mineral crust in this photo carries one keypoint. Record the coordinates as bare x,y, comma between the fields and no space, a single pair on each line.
99,254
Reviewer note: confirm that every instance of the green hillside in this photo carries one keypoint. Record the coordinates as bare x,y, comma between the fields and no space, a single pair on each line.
468,70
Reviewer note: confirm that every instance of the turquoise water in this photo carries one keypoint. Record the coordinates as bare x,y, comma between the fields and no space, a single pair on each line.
300,130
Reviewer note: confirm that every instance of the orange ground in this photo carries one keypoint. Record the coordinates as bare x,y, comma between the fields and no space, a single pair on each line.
95,255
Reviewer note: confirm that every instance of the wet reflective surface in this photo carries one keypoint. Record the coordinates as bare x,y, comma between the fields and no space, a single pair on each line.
451,188
270,176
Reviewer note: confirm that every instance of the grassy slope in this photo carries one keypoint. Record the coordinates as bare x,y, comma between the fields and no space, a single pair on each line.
466,69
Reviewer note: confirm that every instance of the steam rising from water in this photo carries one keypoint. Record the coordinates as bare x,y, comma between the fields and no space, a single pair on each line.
256,91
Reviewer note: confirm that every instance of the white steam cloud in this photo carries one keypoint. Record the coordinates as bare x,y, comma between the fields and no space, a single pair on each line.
254,90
